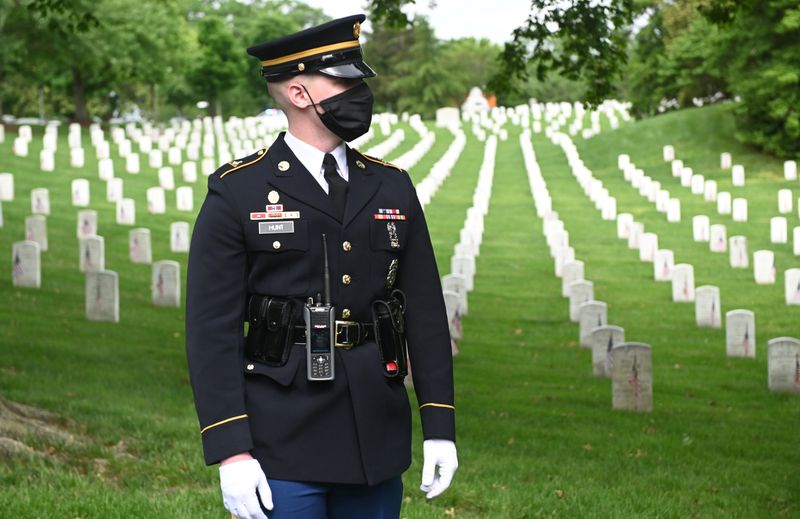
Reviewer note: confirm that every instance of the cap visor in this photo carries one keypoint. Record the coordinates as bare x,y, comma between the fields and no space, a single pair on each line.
357,69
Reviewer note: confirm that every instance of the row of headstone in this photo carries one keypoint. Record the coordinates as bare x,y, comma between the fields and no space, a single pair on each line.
650,189
457,285
628,365
428,186
385,147
592,186
426,140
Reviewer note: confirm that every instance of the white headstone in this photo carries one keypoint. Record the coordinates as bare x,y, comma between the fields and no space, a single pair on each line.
563,256
139,248
740,333
683,283
579,292
700,225
573,271
40,201
447,117
464,265
624,224
208,166
632,377
764,267
796,236
591,314
737,175
87,223
126,211
725,160
603,340
648,245
785,201
707,305
778,230
724,202
92,254
184,199
677,167
718,238
26,264
174,156
36,230
179,237
710,191
623,160
166,178
783,361
166,285
790,170
155,159
114,190
6,187
674,210
792,286
105,169
663,263
635,236
80,192
686,177
698,184
669,153
739,257
102,296
189,170
132,165
739,209
47,160
456,283
20,147
156,200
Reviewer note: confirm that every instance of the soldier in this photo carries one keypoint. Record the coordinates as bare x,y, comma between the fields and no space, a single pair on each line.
332,448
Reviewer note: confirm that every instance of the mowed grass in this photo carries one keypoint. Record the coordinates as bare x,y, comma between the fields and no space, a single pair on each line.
536,433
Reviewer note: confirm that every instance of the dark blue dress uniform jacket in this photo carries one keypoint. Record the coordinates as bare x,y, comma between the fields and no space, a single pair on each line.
356,429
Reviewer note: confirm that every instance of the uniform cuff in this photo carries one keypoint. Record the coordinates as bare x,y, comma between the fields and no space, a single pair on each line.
226,439
438,422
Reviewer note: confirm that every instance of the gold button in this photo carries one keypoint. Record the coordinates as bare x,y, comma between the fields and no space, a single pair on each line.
250,367
346,313
346,279
276,244
347,246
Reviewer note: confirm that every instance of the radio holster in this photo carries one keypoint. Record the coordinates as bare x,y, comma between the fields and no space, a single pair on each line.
269,335
390,334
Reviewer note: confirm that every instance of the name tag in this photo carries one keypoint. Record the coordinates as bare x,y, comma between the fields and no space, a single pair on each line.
275,227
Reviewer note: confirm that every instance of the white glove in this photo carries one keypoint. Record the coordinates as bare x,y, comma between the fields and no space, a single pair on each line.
441,453
239,481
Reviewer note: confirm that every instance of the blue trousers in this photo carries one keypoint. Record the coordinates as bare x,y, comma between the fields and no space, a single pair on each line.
299,500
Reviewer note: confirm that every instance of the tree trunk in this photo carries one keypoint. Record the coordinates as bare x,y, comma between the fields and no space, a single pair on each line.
79,96
154,102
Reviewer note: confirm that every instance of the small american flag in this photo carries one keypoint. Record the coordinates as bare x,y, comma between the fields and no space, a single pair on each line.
633,380
746,341
713,311
86,229
160,285
685,288
665,270
87,257
797,369
609,358
797,291
18,270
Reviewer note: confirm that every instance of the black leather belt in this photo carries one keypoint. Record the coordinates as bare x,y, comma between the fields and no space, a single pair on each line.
348,334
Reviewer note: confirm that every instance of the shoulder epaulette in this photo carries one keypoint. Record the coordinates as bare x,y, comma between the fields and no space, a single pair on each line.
379,161
242,163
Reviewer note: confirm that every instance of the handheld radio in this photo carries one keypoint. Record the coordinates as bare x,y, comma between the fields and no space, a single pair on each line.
320,328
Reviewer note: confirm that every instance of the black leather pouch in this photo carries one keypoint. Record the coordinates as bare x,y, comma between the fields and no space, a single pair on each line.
390,335
271,326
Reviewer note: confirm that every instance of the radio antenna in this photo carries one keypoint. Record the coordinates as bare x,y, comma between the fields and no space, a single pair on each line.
326,273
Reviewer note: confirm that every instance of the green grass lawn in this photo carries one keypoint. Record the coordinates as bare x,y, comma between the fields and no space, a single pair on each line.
536,433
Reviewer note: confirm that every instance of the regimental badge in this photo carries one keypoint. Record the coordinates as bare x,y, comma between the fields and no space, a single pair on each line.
273,197
360,164
235,163
357,29
391,277
394,242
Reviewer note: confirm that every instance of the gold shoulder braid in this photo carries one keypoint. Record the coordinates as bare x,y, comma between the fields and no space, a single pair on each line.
379,161
239,164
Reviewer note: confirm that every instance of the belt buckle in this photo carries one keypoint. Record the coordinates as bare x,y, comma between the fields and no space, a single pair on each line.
346,342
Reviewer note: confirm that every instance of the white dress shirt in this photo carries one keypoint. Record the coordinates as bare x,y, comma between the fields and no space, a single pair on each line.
312,158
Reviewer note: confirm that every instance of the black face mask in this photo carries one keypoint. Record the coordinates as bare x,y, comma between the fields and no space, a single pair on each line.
348,114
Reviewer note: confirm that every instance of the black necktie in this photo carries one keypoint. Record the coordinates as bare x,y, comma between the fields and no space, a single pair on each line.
337,186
